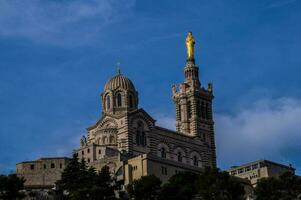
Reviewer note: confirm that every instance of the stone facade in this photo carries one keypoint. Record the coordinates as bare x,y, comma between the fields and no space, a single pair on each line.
42,173
257,170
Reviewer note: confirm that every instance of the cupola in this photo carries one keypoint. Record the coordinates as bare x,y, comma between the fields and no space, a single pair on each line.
119,95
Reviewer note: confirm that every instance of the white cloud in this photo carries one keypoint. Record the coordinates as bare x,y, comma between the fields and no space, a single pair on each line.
266,129
60,22
165,121
280,3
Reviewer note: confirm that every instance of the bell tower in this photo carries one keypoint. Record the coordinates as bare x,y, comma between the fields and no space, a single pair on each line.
194,102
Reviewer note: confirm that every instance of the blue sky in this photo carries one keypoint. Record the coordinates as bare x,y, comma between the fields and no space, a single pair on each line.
57,55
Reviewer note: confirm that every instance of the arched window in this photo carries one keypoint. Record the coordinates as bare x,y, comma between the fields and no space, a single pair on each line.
119,100
203,112
138,138
207,111
131,103
140,135
163,152
143,139
108,102
180,158
195,160
104,139
112,139
198,108
189,109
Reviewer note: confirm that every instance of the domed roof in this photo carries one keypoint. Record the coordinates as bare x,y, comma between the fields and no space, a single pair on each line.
119,81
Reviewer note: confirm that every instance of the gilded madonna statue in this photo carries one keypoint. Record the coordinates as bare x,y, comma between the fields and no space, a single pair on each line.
190,46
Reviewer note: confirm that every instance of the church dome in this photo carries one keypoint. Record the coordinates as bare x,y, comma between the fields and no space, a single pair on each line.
119,81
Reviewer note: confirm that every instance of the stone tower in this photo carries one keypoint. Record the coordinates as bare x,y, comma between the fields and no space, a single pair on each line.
193,102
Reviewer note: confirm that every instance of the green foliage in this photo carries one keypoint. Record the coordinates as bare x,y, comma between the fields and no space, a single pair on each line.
211,184
214,184
10,187
180,186
286,187
145,188
81,182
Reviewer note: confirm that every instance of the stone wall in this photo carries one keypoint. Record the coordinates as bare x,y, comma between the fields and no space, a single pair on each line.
42,173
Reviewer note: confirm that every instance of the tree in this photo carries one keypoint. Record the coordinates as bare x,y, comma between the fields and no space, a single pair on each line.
10,187
214,184
180,186
286,187
83,182
102,185
145,188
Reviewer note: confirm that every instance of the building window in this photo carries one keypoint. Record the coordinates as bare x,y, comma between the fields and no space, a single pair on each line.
140,135
108,102
203,113
207,111
255,166
198,108
131,101
195,161
83,152
119,100
180,158
99,151
88,160
32,167
104,140
189,109
143,139
88,150
164,170
44,166
248,168
240,171
163,152
52,165
137,138
61,166
112,139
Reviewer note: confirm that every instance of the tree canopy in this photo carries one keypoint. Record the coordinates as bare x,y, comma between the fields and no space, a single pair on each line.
83,182
145,188
10,187
286,187
214,184
183,185
207,185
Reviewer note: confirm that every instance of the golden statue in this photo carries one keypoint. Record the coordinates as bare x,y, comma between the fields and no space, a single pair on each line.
190,46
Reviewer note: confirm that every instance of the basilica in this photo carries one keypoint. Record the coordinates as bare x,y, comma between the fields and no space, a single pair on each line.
127,139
